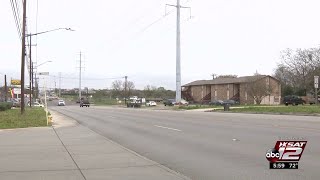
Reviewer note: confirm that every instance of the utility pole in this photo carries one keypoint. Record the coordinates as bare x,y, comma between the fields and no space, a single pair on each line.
59,84
178,52
125,89
5,88
178,60
23,51
80,78
32,88
55,85
316,85
30,72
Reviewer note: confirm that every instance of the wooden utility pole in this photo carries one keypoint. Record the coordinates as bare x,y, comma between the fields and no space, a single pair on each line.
23,53
30,73
32,88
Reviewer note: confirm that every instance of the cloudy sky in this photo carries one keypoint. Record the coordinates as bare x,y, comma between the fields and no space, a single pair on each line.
134,38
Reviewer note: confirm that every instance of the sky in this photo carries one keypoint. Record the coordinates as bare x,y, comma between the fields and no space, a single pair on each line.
136,39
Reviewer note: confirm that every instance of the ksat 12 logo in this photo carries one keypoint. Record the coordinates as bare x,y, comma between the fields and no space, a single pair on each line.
285,154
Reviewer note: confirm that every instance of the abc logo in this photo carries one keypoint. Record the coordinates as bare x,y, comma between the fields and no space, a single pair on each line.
272,155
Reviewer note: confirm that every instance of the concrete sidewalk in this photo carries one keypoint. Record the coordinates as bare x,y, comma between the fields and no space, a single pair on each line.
73,152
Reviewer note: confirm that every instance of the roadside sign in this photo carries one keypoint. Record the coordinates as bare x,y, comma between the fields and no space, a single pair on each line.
16,90
44,73
15,82
316,81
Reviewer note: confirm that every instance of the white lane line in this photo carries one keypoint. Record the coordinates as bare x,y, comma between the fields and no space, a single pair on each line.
167,128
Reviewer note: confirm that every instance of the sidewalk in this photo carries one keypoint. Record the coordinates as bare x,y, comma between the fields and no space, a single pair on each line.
70,151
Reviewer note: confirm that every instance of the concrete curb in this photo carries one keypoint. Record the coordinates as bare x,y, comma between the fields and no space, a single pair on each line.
267,113
130,151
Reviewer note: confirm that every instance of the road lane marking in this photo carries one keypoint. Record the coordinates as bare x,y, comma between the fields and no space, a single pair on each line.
167,128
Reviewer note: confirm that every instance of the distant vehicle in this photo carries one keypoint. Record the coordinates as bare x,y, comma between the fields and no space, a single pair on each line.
169,102
35,104
136,102
230,102
216,103
61,103
84,102
293,100
182,102
151,103
312,100
14,102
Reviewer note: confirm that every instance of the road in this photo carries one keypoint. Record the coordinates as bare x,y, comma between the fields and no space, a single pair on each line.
206,145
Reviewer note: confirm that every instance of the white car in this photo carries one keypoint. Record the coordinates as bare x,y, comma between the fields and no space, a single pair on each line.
36,104
151,103
61,103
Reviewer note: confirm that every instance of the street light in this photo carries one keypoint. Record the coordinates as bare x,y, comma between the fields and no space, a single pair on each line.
43,63
31,82
22,59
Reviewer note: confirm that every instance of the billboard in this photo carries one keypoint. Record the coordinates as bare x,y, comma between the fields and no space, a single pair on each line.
15,82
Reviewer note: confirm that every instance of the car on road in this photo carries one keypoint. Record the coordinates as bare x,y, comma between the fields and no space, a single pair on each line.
169,102
183,102
216,103
151,103
61,103
35,104
293,100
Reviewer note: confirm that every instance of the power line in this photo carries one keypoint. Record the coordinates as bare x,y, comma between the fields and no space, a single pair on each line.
90,79
16,16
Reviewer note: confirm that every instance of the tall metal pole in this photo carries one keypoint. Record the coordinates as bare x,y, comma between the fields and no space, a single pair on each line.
125,89
80,78
5,88
30,72
23,51
178,57
59,84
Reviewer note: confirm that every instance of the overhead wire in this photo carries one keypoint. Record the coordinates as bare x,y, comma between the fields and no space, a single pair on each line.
16,16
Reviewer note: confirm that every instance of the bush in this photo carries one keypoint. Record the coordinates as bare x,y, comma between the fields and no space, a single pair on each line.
5,106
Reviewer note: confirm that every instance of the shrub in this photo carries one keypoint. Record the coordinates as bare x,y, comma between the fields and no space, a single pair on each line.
5,106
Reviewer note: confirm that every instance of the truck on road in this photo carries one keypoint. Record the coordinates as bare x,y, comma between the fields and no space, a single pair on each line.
84,102
135,103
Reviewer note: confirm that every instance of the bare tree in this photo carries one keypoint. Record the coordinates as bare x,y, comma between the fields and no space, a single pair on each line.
257,88
130,87
117,88
147,91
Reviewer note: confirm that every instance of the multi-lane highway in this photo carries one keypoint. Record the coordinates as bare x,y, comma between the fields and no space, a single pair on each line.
206,145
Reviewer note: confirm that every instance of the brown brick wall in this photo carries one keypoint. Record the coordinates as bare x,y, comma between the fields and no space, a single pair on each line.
198,92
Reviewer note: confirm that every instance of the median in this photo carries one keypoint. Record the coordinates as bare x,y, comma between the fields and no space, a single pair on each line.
12,118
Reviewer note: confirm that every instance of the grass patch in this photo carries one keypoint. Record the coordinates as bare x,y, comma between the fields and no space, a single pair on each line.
306,109
102,101
190,107
12,118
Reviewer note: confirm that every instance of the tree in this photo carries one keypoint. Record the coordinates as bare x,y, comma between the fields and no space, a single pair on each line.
257,88
147,91
130,88
117,88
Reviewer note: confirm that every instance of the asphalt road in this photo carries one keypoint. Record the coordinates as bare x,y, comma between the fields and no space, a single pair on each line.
206,145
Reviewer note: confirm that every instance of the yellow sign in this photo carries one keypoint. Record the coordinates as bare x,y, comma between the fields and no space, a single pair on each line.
15,82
